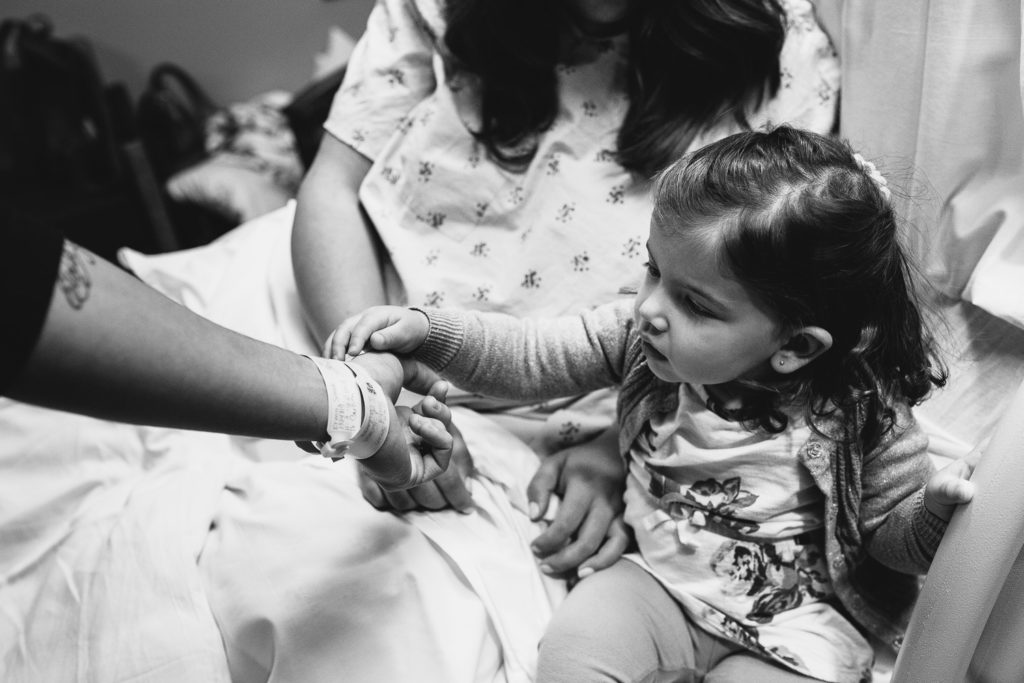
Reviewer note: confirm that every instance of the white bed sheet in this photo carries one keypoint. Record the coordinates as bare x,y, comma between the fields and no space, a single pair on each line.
106,549
100,527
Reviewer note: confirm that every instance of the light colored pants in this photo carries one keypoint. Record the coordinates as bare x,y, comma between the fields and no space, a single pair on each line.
621,625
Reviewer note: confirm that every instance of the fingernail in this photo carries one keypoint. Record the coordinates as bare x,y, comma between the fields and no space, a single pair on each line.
534,510
584,572
546,568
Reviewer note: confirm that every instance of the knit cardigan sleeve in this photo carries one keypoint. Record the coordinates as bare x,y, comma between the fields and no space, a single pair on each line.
899,530
529,359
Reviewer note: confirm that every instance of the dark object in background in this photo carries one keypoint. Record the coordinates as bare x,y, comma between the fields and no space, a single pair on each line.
308,110
172,115
57,127
68,153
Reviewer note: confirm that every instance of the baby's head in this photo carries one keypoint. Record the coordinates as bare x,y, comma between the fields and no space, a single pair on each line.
807,230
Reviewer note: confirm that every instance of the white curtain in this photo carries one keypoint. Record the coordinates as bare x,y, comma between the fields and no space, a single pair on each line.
932,91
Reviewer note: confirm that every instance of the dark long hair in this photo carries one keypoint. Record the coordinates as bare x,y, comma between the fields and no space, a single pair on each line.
691,63
807,231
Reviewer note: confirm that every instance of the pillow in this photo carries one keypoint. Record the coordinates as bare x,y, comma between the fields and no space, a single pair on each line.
228,185
253,164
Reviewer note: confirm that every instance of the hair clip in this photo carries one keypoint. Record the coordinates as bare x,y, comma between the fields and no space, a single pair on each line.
875,175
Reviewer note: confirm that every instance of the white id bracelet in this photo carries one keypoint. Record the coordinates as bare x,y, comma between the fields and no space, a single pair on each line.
344,404
376,416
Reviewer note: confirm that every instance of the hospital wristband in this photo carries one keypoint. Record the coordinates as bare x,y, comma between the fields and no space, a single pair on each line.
344,403
376,416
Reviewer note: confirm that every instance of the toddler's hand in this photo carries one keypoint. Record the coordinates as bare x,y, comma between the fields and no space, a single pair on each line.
380,328
949,487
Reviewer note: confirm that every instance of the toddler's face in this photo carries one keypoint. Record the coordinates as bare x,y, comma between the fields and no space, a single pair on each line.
697,325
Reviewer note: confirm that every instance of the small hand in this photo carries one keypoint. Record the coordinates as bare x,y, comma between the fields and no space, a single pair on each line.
588,531
380,328
950,487
418,446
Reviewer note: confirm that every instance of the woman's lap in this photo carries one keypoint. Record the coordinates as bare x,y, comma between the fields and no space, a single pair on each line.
307,581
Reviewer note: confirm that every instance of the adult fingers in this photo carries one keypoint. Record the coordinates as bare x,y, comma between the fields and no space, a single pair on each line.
592,533
428,496
420,379
376,496
454,483
571,512
454,487
435,441
372,493
611,550
544,484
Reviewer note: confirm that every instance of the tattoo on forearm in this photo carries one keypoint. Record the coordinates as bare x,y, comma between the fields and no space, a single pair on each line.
73,277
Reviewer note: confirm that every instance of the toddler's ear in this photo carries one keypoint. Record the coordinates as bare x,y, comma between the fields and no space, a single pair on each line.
803,346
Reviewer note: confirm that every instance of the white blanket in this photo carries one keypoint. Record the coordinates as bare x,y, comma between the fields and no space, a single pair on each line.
120,545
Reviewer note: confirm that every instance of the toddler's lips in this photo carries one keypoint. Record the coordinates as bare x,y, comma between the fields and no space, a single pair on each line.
651,352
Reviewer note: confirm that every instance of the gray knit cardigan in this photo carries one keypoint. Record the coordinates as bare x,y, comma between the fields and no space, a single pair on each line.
879,535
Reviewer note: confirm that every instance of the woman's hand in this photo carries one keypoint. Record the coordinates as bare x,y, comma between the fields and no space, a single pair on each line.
387,370
447,490
379,328
418,445
588,533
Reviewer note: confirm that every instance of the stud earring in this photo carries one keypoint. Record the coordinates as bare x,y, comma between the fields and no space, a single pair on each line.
781,362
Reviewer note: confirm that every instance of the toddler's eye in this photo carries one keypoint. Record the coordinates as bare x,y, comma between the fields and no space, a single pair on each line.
652,269
698,310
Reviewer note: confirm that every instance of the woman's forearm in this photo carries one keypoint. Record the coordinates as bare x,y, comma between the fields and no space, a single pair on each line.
334,252
112,347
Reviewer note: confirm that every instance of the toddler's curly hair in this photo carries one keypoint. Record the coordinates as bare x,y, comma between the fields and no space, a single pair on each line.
803,225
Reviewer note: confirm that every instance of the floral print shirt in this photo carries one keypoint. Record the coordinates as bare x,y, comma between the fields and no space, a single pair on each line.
566,233
732,525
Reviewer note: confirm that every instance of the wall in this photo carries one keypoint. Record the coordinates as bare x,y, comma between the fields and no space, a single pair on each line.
235,48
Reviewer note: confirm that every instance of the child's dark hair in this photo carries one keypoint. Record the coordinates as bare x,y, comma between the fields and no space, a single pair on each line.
690,63
807,231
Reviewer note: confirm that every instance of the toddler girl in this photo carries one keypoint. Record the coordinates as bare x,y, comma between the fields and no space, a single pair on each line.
779,489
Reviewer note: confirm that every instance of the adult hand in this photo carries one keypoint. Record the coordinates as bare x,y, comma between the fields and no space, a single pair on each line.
388,371
447,490
587,533
393,373
418,445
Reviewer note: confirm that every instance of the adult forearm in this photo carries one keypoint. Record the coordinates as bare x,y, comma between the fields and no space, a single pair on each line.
334,249
114,348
